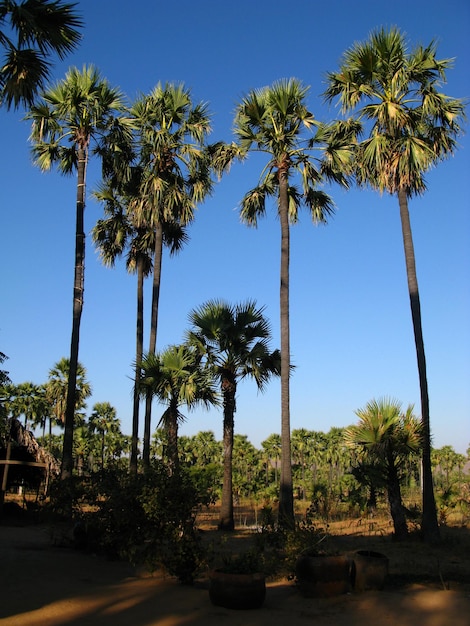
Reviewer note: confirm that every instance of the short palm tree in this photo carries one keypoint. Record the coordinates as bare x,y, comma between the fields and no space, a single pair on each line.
275,121
385,437
175,377
42,28
71,115
411,126
234,341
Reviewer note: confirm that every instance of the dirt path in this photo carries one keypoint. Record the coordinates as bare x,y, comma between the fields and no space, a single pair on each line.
43,585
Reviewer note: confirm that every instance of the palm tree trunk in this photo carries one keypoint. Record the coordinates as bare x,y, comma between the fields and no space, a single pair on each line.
286,496
138,359
396,506
78,288
172,440
226,521
430,526
157,273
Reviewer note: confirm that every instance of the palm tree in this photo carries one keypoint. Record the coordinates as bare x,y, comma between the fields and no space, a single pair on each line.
234,341
176,177
175,377
26,402
412,126
111,236
42,28
77,111
272,120
385,437
122,229
301,438
57,388
103,420
272,450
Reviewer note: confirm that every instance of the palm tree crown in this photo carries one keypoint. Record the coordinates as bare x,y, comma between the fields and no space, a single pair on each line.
411,124
42,28
175,377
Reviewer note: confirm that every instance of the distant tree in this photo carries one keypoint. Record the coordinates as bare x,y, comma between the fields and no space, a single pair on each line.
103,420
56,390
272,454
30,33
412,126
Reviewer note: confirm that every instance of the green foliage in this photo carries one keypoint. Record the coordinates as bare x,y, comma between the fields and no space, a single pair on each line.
148,519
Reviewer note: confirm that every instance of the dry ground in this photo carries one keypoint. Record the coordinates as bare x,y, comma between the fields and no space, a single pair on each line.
42,584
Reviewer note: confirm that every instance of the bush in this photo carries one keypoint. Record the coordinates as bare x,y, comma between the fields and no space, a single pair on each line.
146,519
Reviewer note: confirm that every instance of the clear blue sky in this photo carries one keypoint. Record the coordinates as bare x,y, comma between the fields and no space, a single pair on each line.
351,332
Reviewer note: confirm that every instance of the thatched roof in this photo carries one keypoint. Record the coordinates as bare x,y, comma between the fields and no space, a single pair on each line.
26,440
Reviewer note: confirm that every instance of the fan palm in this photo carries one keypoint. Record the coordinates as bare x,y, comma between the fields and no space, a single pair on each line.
71,115
41,28
112,235
175,377
272,120
234,341
411,126
124,228
385,437
176,176
103,420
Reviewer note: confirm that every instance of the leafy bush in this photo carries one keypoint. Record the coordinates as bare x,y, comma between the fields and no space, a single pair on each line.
146,519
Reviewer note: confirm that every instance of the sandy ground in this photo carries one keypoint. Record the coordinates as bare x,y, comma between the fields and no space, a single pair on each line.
43,585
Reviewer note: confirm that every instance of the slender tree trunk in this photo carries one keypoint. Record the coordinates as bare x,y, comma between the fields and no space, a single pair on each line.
172,440
78,290
430,526
286,496
138,359
226,521
157,274
394,499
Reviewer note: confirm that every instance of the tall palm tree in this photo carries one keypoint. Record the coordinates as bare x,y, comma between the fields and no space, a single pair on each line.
41,28
112,236
175,377
272,120
71,115
234,341
176,176
411,126
385,437
124,229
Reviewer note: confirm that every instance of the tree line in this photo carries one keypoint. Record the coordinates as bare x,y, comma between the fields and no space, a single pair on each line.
158,166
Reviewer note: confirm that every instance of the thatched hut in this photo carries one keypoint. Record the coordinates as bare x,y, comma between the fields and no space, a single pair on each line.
23,461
